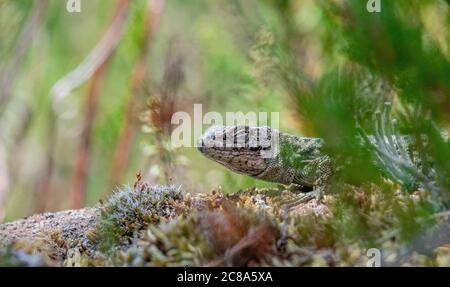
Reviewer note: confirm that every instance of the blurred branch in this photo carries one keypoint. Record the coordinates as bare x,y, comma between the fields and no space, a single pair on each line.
8,75
44,184
123,147
91,64
96,58
81,169
15,152
26,120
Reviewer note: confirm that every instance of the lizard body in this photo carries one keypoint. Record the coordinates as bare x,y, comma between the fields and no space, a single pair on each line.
268,154
251,151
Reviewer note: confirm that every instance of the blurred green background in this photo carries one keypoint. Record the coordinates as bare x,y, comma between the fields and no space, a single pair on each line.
228,55
213,40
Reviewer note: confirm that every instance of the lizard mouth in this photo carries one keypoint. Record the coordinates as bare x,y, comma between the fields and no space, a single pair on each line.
244,162
201,149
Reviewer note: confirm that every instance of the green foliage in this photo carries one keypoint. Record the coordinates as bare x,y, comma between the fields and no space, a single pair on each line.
389,57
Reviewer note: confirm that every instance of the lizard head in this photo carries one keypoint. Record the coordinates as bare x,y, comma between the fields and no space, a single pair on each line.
243,149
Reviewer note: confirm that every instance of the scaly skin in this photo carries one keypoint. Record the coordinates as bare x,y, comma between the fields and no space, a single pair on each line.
270,155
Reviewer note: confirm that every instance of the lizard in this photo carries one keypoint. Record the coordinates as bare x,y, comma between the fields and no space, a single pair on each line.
258,152
271,155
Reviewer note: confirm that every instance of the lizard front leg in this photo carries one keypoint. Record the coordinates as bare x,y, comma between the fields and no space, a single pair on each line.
322,172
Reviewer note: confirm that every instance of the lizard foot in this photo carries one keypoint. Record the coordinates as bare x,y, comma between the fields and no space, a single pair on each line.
302,198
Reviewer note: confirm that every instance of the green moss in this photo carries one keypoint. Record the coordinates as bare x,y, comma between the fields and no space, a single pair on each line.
175,243
11,257
131,209
146,229
144,225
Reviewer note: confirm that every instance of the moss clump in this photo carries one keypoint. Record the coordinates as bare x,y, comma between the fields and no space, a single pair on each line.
225,236
13,256
147,225
131,209
174,243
